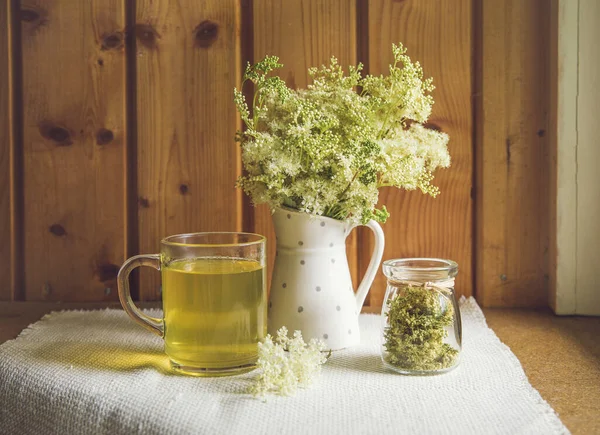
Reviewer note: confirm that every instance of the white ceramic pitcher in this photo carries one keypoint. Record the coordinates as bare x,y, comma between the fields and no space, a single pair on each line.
311,289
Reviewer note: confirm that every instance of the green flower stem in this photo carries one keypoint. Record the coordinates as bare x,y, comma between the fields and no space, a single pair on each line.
341,196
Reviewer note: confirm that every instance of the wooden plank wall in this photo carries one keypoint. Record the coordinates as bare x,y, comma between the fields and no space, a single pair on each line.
73,148
438,34
188,62
514,166
128,123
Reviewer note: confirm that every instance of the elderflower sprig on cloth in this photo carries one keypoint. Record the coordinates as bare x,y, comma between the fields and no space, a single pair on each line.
283,372
328,149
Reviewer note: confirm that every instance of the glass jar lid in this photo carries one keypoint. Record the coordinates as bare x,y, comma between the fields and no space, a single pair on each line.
420,269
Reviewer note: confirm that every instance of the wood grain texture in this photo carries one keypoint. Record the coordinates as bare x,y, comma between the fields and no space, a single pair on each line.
513,158
188,62
65,168
73,99
303,33
6,260
438,35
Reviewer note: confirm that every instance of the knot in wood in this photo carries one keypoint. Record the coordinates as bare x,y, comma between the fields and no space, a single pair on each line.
432,126
184,189
29,15
56,133
206,33
58,230
59,134
107,272
104,136
146,35
113,41
143,202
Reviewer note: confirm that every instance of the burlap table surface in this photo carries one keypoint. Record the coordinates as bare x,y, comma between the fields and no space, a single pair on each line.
96,372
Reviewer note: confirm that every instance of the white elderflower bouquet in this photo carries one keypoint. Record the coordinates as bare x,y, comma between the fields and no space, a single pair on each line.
287,363
328,149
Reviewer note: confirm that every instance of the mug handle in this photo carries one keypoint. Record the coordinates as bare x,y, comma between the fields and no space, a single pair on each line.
150,323
365,284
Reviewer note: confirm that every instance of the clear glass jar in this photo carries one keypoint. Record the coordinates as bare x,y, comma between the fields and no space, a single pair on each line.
421,326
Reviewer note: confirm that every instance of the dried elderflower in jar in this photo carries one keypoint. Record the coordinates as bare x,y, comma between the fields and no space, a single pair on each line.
421,331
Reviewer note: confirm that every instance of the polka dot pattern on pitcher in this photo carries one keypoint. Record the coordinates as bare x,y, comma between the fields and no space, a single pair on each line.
312,285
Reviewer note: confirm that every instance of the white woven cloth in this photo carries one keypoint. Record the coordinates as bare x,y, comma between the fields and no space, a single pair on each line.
97,372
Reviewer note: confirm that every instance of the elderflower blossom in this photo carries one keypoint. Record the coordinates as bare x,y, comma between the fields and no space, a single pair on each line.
328,149
287,363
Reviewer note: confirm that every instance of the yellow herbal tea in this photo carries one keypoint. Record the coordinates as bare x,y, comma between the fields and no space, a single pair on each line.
214,311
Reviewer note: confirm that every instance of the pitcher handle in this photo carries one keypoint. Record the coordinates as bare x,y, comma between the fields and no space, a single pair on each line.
150,323
365,284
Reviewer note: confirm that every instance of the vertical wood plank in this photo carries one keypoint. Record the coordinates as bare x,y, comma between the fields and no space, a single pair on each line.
303,33
6,260
563,145
513,157
437,33
74,148
188,62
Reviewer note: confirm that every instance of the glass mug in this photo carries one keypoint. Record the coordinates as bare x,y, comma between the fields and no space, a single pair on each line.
214,296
